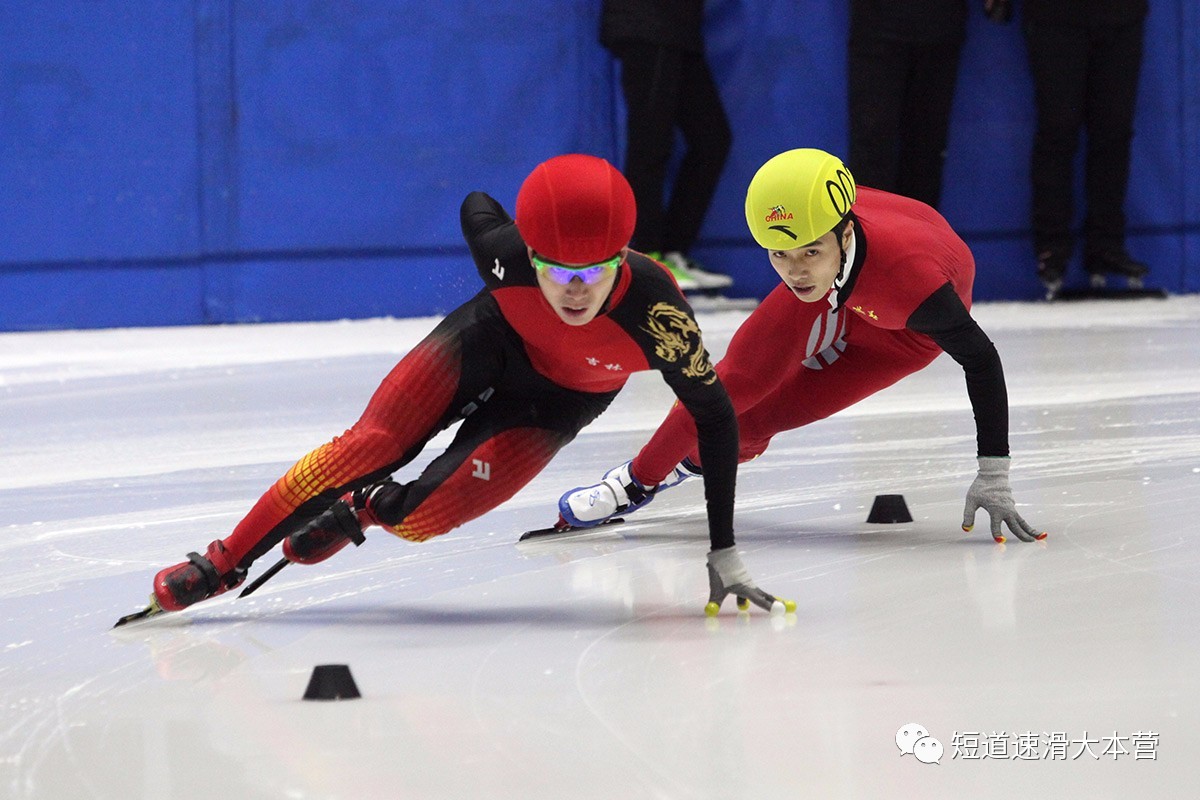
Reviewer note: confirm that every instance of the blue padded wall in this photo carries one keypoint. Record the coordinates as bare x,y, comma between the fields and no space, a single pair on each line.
187,161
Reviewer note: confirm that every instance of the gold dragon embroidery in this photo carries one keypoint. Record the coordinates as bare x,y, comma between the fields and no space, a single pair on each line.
676,337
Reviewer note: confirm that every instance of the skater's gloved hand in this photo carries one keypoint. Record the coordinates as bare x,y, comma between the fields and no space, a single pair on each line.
728,575
991,492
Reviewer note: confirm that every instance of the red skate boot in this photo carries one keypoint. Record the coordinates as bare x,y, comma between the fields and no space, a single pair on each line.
198,578
342,523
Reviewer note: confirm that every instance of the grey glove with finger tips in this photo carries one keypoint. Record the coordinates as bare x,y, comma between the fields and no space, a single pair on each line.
728,575
991,492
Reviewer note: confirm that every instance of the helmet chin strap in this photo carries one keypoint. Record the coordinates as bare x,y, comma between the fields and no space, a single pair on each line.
844,270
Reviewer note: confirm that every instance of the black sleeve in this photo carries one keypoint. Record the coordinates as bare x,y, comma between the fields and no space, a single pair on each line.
717,435
496,246
944,318
658,318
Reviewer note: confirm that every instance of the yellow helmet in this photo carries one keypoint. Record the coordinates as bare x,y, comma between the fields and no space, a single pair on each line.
797,197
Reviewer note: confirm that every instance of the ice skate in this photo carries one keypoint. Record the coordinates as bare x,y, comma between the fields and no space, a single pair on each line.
326,534
188,582
1113,263
619,492
342,523
198,578
1051,267
1117,263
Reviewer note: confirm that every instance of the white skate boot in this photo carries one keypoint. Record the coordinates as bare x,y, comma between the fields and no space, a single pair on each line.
618,493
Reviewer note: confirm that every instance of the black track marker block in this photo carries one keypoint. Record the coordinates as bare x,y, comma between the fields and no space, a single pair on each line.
331,682
889,508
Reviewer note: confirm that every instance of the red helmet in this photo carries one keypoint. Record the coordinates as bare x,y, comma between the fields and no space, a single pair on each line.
576,209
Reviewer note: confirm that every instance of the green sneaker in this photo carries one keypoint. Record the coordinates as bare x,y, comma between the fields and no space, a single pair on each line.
682,276
700,278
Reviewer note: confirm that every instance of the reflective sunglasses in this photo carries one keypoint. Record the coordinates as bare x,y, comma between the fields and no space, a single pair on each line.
561,273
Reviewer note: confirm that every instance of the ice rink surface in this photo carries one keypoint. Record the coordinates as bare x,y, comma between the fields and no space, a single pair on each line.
585,667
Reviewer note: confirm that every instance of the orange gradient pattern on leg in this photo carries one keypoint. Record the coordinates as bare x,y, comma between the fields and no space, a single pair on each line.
404,408
407,405
491,474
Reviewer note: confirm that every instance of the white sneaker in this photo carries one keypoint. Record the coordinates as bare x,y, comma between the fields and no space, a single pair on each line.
698,279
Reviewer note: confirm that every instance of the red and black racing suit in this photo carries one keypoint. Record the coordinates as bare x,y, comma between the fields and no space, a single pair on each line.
906,301
522,382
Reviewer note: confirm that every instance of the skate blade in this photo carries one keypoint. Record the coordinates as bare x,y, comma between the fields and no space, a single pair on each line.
567,530
266,576
152,610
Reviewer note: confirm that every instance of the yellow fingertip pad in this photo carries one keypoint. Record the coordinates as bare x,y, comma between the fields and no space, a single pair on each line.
968,528
743,604
711,609
789,606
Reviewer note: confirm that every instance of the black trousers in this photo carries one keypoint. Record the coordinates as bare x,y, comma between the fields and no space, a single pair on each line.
901,94
1085,77
668,90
